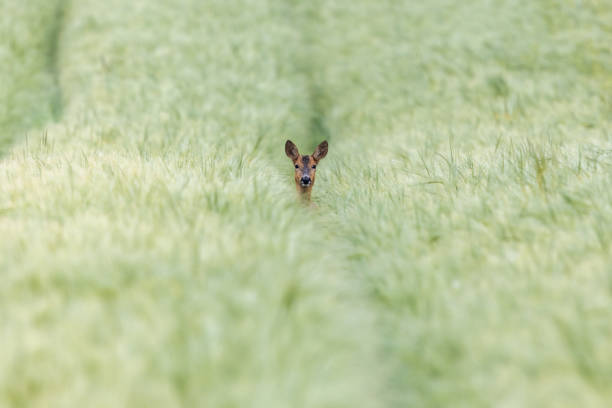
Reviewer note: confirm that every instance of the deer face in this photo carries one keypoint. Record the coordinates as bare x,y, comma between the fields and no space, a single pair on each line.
305,166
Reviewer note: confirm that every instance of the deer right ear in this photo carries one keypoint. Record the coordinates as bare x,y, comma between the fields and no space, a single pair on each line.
321,151
291,150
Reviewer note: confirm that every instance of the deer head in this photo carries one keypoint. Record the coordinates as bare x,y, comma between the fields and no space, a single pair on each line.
305,166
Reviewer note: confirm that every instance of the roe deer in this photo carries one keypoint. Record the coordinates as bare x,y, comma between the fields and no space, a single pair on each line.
305,166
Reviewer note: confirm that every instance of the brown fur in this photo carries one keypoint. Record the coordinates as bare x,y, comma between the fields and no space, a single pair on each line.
305,165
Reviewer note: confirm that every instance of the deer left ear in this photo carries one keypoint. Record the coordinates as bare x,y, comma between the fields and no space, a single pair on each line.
291,150
321,151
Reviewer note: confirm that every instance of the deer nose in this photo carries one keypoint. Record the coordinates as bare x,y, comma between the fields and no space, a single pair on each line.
305,180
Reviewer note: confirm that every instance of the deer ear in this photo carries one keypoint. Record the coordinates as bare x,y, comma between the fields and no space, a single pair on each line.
291,150
321,151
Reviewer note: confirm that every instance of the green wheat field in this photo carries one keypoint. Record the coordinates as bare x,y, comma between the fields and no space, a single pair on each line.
153,252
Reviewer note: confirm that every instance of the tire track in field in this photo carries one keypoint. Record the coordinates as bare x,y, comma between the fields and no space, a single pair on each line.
33,95
304,18
52,56
312,64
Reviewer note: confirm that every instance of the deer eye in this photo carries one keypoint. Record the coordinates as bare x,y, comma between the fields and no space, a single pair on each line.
314,167
296,166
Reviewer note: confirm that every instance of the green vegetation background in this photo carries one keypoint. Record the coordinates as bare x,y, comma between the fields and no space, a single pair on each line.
153,252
